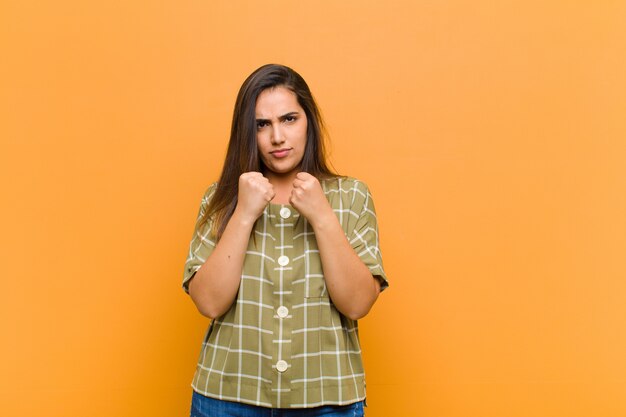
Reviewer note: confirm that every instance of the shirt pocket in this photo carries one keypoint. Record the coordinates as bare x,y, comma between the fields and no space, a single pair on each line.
315,286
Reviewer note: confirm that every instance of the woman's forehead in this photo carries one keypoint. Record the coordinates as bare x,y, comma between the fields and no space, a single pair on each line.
276,101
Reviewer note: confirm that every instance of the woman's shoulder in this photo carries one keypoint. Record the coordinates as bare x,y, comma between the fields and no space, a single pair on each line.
346,191
344,183
208,193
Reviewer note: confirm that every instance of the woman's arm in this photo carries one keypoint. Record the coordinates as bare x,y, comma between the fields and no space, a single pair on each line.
349,281
214,286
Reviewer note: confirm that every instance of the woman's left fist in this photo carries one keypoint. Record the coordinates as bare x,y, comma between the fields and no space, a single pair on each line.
309,199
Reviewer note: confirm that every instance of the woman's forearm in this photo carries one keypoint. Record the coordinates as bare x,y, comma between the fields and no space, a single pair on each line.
214,286
349,281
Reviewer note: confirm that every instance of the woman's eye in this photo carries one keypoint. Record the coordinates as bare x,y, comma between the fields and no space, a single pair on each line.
261,125
290,119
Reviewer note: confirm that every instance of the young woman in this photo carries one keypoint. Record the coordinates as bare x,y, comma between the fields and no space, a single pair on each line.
285,260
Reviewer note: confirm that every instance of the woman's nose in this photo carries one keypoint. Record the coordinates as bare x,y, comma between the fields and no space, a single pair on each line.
277,135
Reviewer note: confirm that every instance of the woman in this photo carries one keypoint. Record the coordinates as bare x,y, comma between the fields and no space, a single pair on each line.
285,260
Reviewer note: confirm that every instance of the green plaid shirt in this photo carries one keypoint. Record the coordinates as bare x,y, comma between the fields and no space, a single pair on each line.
283,344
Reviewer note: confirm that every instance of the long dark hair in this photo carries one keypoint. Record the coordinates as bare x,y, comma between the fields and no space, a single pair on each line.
242,154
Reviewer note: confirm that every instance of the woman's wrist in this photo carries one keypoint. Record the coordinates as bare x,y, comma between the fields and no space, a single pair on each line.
242,220
324,221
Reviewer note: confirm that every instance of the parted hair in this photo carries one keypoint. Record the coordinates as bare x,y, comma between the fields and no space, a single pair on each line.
242,154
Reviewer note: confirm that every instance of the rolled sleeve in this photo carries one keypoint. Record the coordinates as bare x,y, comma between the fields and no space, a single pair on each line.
202,243
364,238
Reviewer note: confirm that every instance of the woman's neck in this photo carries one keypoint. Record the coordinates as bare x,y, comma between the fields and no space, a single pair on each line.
283,184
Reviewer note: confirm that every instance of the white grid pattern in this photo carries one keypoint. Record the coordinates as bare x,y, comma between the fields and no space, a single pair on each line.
320,346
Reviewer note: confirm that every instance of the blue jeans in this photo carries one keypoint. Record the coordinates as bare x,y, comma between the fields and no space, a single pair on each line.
202,406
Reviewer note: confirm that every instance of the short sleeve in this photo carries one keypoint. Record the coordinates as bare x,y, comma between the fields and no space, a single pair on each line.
364,237
202,243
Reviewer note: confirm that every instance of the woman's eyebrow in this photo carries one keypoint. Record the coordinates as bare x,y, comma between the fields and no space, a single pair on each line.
286,115
281,118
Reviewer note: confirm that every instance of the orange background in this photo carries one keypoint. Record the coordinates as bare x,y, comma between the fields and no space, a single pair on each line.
492,135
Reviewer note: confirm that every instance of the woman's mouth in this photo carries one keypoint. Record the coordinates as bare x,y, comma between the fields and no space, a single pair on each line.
280,153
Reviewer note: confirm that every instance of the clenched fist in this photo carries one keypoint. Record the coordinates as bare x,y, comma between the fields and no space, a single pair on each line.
255,192
309,199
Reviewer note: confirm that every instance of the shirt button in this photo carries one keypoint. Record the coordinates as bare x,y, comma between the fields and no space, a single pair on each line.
281,366
285,212
283,260
282,312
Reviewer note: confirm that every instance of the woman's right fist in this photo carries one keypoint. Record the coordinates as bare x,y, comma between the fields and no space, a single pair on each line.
255,192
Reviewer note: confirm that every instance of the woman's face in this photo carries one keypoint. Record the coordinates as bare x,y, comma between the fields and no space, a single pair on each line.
281,131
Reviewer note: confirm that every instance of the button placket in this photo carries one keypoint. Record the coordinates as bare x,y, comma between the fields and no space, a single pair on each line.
283,301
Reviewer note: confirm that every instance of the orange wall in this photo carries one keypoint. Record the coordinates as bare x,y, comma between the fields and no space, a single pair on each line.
492,135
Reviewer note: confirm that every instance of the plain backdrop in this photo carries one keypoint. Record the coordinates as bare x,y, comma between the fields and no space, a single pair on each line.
492,136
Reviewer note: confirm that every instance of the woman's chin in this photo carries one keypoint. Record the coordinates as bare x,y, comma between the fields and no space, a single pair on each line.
281,173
